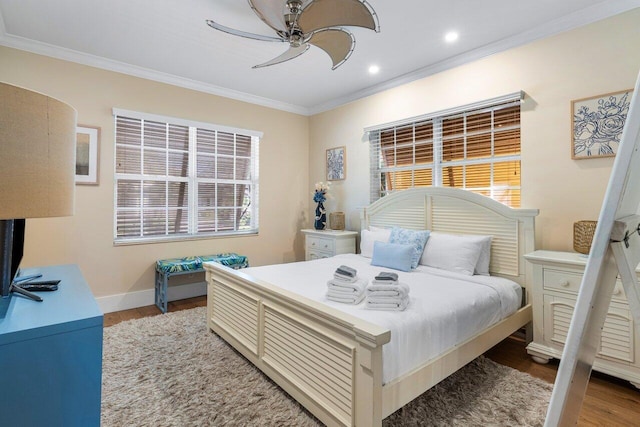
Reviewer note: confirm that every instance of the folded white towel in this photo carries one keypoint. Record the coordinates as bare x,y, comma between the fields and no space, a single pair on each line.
385,282
382,295
378,290
389,304
341,293
345,298
356,287
344,279
385,300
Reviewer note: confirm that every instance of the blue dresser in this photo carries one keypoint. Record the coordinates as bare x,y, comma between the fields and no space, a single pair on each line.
51,354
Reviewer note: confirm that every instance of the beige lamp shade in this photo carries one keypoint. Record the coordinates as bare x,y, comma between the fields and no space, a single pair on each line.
37,155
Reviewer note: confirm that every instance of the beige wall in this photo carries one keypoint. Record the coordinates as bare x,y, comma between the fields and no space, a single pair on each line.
599,58
86,238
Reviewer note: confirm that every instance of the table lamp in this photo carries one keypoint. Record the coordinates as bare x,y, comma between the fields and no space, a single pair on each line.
37,169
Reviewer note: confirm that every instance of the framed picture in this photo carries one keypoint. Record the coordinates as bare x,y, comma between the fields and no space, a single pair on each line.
87,140
336,164
597,123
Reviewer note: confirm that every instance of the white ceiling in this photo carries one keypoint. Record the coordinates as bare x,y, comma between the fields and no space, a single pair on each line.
168,41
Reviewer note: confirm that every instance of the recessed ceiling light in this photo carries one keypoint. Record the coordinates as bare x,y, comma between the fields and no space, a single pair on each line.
451,36
374,69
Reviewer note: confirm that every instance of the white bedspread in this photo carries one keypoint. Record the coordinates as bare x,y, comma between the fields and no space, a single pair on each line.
446,308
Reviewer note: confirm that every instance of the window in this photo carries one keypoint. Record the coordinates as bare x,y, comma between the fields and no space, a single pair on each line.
180,179
475,147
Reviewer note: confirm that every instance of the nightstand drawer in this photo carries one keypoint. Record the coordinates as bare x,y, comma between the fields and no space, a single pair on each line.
320,244
318,255
327,243
570,282
561,280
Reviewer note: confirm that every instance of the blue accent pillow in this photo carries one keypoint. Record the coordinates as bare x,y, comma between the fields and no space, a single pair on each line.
416,238
392,255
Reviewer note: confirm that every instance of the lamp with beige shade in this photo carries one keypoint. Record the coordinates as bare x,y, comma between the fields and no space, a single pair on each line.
37,169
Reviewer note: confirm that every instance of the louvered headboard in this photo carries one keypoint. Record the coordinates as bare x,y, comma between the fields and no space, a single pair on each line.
451,210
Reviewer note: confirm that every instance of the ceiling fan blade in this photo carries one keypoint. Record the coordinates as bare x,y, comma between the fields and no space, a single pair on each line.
319,14
293,52
235,32
337,42
271,12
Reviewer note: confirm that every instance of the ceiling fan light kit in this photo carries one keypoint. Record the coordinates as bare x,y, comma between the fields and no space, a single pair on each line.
302,23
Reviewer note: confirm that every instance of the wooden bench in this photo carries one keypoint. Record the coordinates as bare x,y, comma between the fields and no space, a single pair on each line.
166,268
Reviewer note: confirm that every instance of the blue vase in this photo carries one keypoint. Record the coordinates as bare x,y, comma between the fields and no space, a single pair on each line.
321,217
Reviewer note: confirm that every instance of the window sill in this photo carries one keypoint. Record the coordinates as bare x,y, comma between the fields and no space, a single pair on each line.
181,238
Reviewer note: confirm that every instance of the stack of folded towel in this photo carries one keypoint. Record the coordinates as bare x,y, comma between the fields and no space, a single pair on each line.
346,287
386,293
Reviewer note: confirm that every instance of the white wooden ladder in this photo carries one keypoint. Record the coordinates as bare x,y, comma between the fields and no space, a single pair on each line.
615,251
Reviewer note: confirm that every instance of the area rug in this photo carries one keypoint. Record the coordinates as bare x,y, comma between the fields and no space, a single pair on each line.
169,370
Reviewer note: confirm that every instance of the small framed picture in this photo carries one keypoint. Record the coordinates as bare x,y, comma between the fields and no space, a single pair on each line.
336,164
87,141
597,123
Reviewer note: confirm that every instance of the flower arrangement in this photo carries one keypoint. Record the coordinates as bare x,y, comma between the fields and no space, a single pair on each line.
321,192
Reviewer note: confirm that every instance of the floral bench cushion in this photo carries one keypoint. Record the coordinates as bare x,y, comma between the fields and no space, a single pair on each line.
194,263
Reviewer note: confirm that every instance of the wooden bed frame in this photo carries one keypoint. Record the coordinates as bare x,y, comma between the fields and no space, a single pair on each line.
331,362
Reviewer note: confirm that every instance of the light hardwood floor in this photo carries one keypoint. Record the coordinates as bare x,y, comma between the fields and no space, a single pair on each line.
609,401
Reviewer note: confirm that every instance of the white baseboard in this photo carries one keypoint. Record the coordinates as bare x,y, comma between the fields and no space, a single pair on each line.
137,299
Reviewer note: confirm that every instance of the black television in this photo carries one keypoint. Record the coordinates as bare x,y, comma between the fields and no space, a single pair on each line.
11,252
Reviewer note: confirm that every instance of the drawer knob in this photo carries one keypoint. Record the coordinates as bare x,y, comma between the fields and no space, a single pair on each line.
313,244
565,284
326,246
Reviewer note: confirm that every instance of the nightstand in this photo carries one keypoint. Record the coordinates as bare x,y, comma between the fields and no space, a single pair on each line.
556,281
327,243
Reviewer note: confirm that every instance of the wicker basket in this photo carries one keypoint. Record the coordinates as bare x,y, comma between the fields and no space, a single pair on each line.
583,235
336,220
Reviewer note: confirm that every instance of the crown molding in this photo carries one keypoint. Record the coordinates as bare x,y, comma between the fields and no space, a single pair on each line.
136,71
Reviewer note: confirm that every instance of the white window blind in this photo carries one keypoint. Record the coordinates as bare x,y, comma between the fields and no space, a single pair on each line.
180,179
474,147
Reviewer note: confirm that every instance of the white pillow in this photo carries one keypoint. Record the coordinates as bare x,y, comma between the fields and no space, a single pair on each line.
482,267
368,237
453,252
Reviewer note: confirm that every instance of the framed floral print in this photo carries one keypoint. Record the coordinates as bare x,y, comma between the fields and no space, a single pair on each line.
87,140
336,164
597,124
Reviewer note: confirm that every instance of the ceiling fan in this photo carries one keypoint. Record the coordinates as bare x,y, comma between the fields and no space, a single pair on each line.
303,23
